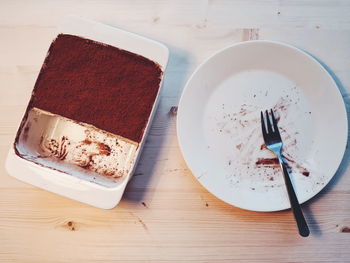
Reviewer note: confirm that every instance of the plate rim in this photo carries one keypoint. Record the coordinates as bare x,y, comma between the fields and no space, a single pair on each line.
302,52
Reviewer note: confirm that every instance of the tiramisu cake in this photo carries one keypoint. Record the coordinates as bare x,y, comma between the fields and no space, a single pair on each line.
89,108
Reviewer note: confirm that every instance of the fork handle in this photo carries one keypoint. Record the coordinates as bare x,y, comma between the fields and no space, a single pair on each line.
298,213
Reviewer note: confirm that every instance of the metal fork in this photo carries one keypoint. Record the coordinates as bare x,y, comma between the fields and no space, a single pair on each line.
274,143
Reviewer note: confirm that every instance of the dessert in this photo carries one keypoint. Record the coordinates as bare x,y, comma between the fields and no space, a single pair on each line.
89,108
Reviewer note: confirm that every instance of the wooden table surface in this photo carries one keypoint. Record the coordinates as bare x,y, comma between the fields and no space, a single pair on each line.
165,214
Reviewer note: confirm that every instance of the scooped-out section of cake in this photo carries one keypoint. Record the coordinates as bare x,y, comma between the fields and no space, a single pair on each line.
75,148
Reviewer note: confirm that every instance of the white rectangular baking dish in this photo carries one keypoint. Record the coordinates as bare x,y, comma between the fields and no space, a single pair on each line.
104,195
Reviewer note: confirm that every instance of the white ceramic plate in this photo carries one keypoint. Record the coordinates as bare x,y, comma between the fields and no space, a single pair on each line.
219,128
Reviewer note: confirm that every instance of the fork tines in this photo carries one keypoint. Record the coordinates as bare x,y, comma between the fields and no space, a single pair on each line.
267,130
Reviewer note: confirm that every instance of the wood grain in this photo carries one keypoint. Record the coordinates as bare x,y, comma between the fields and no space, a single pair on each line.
165,214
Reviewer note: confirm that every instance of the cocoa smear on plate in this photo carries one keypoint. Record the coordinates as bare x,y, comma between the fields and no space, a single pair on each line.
281,111
274,163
